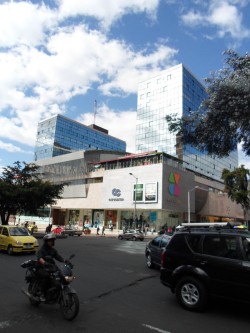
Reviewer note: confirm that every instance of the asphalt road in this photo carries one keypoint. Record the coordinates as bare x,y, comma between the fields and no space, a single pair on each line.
117,293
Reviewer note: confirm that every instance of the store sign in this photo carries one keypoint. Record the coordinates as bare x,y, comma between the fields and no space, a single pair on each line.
173,187
116,193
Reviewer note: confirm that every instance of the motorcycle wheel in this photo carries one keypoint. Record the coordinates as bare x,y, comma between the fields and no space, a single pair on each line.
32,289
69,305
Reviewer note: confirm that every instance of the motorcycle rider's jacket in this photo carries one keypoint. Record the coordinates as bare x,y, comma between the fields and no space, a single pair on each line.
46,250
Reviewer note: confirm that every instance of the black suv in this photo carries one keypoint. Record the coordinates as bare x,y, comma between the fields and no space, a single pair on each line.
201,261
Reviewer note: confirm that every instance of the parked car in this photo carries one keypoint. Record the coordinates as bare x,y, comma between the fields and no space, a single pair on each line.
58,230
154,250
131,235
71,231
202,261
14,239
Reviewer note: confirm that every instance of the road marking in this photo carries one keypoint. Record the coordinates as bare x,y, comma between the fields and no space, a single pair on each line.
130,247
155,328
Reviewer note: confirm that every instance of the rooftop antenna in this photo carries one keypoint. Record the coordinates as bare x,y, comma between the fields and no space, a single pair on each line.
95,109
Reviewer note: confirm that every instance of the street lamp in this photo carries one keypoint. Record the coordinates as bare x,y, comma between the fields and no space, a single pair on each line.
189,202
135,195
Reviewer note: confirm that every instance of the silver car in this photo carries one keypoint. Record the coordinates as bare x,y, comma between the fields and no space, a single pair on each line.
131,235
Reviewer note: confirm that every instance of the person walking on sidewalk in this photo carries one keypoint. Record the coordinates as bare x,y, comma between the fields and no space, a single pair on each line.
103,231
97,230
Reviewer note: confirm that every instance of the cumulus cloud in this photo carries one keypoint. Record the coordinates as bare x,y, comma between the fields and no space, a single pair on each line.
24,23
43,67
224,15
110,12
9,147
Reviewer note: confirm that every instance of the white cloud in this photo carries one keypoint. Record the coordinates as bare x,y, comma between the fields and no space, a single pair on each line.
243,159
110,12
24,23
224,15
36,82
9,147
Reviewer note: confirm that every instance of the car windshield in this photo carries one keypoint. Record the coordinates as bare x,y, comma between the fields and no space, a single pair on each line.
19,232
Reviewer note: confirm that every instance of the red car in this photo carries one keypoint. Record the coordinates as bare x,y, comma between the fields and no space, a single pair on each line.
58,230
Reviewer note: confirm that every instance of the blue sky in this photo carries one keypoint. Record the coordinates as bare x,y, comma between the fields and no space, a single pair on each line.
59,56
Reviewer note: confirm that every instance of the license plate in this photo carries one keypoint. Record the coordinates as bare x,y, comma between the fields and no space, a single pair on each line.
28,246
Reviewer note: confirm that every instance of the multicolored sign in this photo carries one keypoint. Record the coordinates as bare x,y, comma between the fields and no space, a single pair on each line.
174,179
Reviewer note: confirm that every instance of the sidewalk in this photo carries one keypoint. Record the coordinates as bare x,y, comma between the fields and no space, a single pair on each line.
115,233
108,233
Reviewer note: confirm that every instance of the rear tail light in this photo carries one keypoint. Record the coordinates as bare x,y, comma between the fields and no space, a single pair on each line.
163,257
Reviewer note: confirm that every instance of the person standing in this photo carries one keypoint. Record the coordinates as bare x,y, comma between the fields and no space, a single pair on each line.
103,231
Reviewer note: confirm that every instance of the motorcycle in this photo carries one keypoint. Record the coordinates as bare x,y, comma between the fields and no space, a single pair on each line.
59,290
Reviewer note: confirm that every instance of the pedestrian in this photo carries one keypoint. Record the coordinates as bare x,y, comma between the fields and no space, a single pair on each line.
103,231
97,230
48,229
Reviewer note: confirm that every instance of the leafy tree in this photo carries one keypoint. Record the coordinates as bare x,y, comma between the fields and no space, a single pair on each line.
222,120
236,186
22,189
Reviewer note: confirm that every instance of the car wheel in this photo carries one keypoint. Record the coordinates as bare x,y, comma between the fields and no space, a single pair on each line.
120,237
191,294
149,261
10,250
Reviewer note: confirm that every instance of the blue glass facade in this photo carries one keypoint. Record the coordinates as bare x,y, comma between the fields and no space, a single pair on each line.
174,91
60,135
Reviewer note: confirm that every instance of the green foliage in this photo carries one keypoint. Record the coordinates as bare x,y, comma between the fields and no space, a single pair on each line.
22,189
222,120
236,186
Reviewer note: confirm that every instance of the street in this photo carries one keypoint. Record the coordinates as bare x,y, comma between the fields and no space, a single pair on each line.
117,293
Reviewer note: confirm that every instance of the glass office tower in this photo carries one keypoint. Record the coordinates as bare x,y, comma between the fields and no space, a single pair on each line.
174,91
59,135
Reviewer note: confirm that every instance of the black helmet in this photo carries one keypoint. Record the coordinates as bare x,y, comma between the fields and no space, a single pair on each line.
49,237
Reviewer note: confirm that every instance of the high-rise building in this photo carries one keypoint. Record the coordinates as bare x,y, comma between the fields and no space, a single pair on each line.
59,135
174,91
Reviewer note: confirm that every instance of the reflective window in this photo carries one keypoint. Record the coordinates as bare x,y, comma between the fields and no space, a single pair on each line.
175,91
60,135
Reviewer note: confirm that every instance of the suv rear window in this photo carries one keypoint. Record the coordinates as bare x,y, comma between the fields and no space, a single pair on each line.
178,243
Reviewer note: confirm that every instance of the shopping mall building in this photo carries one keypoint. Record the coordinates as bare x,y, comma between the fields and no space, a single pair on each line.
107,188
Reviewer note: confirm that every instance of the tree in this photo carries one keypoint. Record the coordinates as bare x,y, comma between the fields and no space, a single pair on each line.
23,190
222,121
236,186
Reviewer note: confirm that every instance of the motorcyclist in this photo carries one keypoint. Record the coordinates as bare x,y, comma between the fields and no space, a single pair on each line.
47,250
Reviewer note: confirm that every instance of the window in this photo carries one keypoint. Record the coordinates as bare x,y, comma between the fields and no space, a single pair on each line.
194,242
178,244
156,242
5,232
246,247
221,246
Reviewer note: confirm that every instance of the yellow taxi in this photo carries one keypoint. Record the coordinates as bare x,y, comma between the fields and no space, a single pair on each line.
15,239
